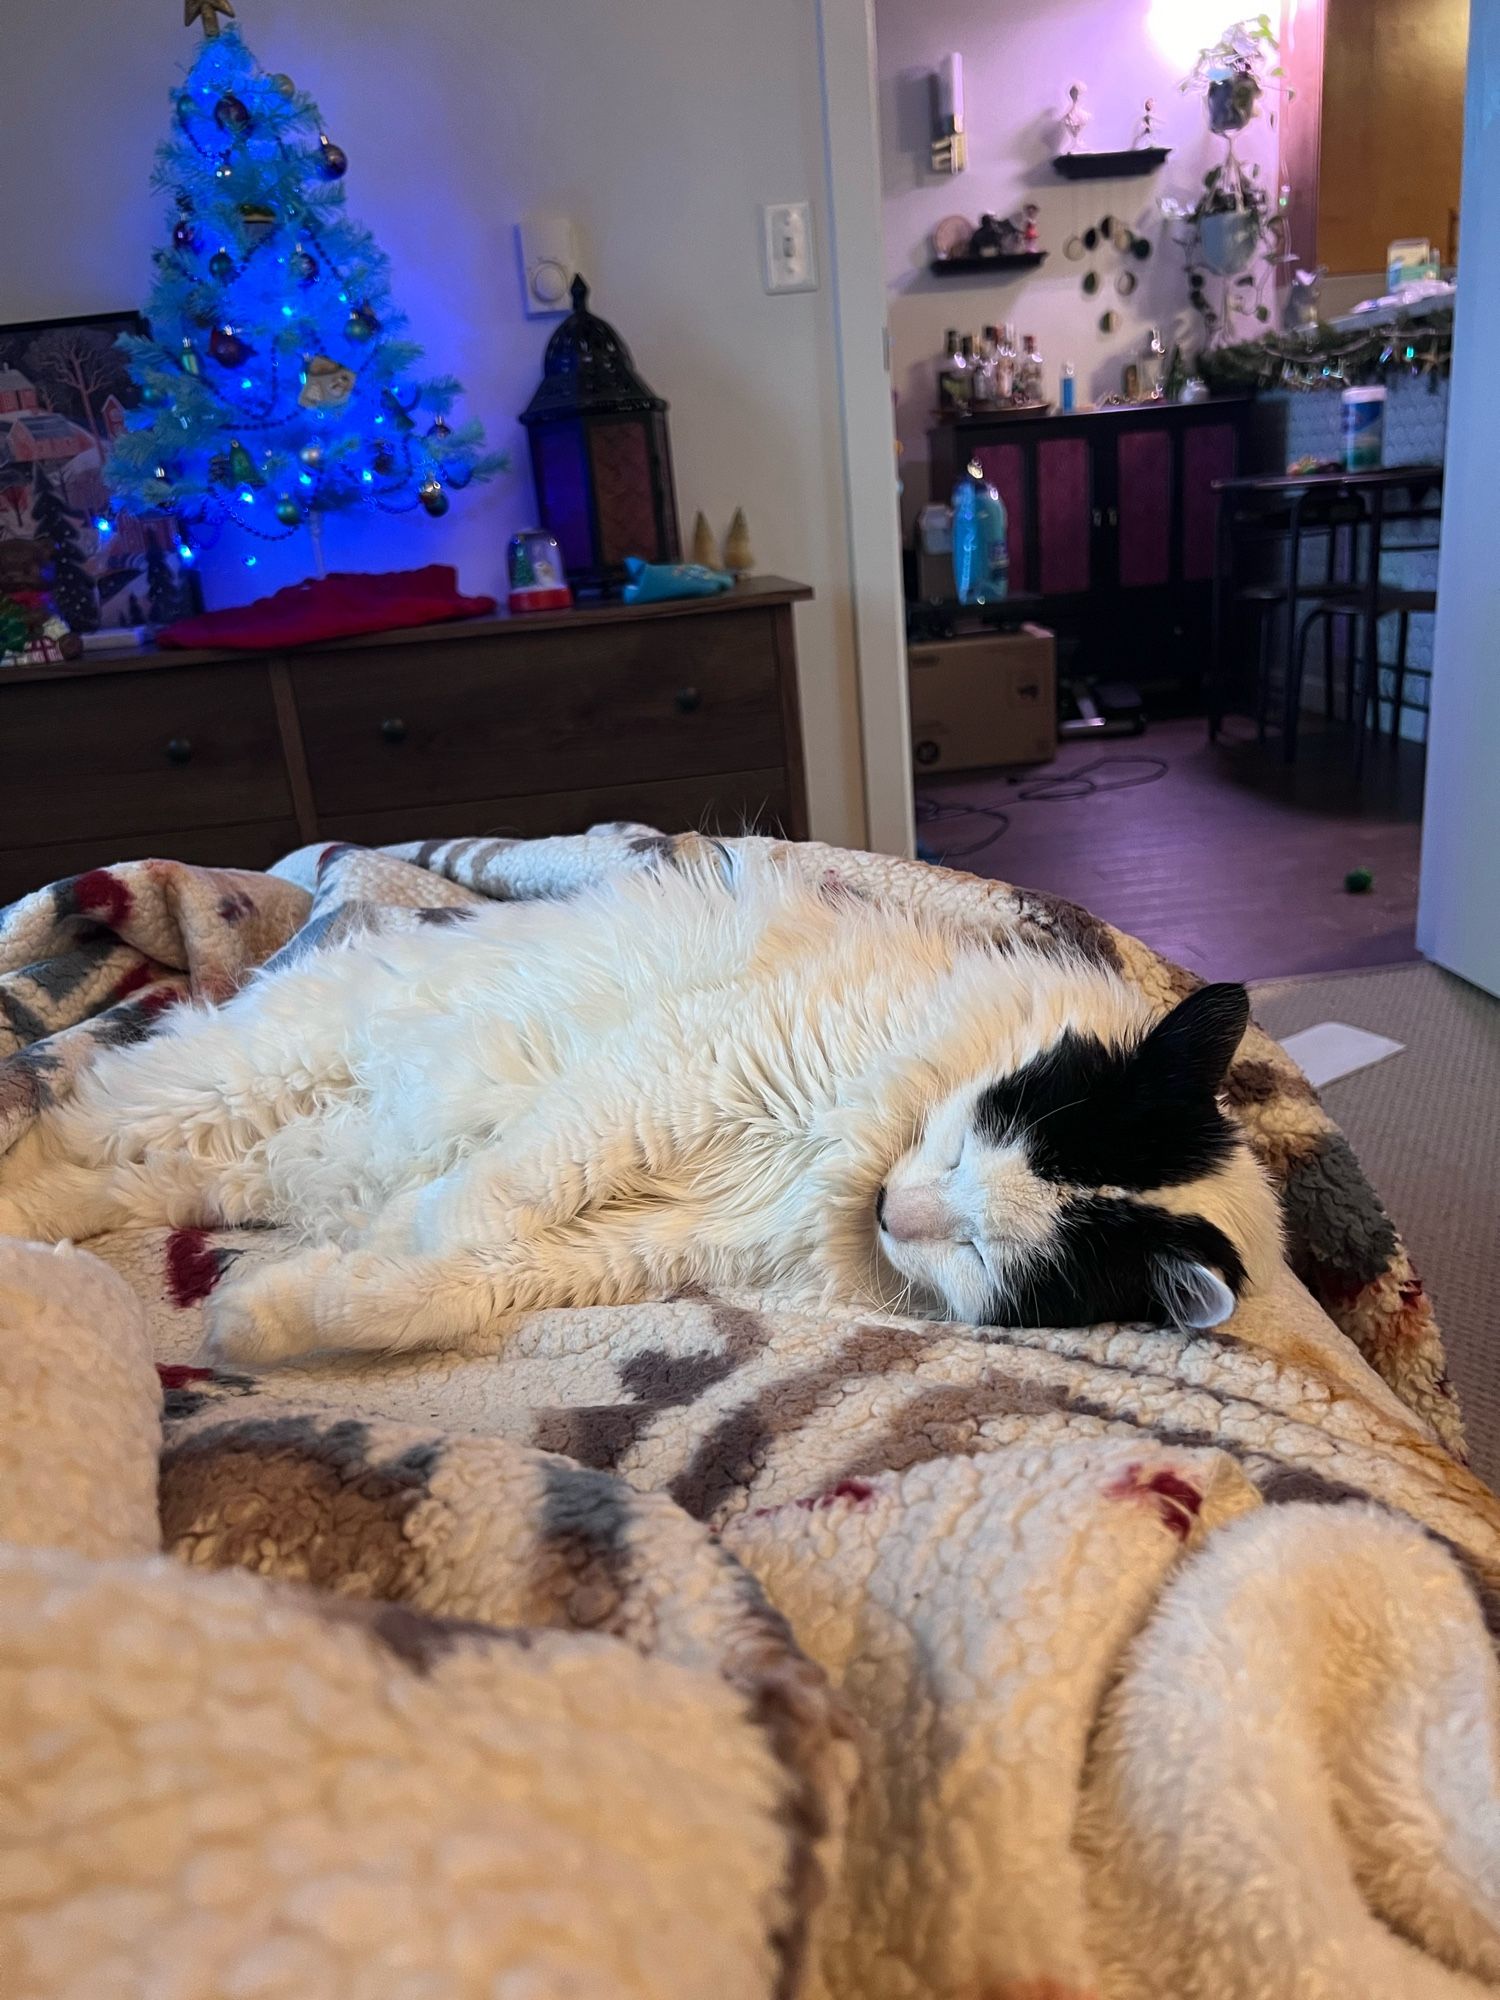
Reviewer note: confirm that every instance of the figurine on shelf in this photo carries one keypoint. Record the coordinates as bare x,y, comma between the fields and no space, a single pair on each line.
1030,237
1074,118
1301,315
999,236
705,550
1145,136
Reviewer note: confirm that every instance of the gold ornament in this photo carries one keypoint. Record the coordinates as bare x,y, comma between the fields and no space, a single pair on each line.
208,12
738,554
705,548
284,84
325,384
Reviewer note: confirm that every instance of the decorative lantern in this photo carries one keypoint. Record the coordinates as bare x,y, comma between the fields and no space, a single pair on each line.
599,453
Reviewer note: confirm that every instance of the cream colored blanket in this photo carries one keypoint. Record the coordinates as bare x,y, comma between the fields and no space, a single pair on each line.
707,1647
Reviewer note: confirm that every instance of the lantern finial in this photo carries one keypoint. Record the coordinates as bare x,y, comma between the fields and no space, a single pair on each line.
580,294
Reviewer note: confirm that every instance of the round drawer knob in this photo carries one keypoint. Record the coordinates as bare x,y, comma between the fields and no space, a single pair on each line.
688,701
179,750
393,729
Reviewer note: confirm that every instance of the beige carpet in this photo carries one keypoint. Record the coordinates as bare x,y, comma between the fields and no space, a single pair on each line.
1426,1127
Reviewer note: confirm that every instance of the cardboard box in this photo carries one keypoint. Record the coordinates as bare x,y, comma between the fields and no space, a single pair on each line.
984,701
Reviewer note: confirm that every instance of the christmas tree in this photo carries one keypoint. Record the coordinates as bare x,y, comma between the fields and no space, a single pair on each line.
72,588
277,383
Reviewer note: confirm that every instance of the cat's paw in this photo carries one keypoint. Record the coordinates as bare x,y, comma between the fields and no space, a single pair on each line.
267,1315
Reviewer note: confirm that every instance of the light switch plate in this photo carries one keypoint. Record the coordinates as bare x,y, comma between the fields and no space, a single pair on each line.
788,252
548,250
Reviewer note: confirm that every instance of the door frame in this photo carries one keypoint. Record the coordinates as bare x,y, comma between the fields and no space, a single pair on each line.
846,45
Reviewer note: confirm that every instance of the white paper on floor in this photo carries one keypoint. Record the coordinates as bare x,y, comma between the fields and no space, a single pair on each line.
1333,1049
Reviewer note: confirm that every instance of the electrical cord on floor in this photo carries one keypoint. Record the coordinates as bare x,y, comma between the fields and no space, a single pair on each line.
1080,783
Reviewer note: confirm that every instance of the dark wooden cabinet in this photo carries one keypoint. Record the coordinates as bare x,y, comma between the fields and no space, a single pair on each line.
681,715
1112,527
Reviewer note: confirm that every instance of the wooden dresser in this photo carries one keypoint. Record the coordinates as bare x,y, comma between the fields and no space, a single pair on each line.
680,715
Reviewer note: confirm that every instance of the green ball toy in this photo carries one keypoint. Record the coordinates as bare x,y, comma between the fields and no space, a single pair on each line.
1359,881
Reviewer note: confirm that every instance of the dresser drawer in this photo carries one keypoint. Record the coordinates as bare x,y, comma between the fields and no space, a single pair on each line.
23,869
109,755
424,723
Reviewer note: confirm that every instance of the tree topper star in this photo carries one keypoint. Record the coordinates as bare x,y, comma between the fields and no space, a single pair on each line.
207,11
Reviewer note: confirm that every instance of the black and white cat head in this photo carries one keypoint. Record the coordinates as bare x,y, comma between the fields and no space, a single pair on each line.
1101,1181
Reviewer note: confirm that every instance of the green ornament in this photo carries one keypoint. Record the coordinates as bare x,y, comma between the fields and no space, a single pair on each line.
153,396
242,466
289,512
433,498
283,83
232,114
361,324
191,365
221,266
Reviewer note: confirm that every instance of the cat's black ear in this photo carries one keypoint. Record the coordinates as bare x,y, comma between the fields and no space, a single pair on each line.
1191,1049
1189,1293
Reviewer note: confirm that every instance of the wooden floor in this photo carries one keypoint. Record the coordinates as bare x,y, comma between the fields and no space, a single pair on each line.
1230,863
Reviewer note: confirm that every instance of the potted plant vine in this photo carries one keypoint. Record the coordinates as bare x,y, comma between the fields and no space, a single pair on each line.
1234,218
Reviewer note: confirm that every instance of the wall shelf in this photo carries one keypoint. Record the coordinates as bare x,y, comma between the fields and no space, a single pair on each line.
1131,163
969,267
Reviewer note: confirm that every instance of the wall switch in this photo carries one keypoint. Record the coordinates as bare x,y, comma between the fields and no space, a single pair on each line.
790,258
548,251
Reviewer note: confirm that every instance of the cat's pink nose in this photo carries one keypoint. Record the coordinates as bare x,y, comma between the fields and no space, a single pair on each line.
914,1215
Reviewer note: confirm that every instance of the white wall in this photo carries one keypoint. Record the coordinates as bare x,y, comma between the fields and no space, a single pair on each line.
659,126
1458,917
1019,60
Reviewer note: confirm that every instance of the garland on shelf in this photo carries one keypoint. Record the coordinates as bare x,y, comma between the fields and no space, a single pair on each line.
1323,358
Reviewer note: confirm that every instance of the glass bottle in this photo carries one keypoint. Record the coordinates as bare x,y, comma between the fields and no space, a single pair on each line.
985,397
952,382
1005,366
1029,373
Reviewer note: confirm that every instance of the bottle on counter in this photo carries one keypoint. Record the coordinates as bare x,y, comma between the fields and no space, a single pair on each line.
955,390
1067,388
981,547
1029,372
1005,365
1153,367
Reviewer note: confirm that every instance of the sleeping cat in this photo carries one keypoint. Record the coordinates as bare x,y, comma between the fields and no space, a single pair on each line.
692,1078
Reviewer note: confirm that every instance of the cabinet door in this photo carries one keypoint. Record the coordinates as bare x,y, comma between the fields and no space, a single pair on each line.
1064,516
1209,452
1142,515
1005,468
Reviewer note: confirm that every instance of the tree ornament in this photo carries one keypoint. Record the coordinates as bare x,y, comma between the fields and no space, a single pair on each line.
184,236
325,385
438,429
288,512
221,266
705,548
311,456
396,412
242,467
333,161
153,395
384,461
257,217
432,497
224,171
303,265
361,324
283,83
226,347
191,365
208,12
739,557
232,114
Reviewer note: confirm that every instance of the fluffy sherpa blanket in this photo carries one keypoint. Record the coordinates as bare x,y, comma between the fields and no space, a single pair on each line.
710,1647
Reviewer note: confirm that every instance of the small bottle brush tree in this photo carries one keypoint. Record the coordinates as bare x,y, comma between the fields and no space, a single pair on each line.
277,383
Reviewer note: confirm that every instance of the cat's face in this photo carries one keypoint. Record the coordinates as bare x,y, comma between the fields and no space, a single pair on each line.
1100,1182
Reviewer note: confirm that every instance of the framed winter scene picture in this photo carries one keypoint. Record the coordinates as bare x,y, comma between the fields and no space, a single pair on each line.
65,392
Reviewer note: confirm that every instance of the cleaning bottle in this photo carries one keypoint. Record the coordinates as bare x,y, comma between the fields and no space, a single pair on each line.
981,549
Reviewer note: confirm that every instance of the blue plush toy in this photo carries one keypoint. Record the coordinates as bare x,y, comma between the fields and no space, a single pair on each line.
651,583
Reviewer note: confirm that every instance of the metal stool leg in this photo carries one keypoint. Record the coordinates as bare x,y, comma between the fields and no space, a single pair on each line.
1296,668
1398,693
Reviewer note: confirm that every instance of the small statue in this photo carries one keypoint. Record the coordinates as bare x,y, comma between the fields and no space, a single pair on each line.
1075,117
1030,235
1301,314
1146,135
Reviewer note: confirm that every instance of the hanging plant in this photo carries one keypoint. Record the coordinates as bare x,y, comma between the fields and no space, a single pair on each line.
1235,223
